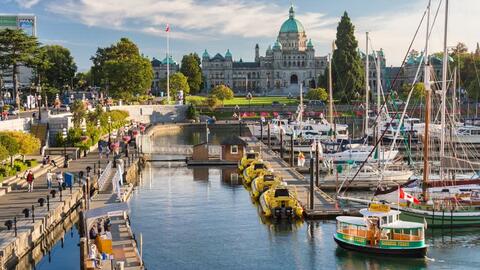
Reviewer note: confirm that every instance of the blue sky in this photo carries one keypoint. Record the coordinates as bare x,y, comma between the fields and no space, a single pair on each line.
84,25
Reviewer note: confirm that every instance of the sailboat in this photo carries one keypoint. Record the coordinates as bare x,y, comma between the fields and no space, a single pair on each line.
449,209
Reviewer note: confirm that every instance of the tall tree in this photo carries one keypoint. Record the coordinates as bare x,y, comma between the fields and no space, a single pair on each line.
122,70
191,69
178,82
60,68
348,75
17,48
79,111
222,92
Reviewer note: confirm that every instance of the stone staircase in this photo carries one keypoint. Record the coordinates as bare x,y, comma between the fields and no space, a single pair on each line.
17,182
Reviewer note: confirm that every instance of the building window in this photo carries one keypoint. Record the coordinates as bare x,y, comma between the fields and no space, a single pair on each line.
233,149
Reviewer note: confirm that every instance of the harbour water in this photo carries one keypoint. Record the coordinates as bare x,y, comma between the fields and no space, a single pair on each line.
196,218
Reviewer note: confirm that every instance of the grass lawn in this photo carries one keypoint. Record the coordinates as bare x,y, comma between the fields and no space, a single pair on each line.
242,101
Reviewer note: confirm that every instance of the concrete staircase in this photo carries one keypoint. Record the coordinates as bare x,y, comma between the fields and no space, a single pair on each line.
16,183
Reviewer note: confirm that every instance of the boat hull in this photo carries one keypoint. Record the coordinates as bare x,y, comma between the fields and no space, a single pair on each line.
442,219
419,252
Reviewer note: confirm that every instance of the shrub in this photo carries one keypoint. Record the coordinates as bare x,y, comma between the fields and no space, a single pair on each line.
192,112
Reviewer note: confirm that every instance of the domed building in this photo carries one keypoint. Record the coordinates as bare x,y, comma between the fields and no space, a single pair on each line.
289,62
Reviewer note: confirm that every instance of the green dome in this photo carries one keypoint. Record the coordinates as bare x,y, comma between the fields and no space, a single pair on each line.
310,44
277,45
205,54
292,25
228,54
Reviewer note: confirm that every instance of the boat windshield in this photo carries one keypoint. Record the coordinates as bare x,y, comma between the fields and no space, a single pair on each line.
268,177
251,156
281,192
259,166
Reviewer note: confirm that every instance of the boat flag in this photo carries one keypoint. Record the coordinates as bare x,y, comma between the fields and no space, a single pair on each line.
408,197
167,29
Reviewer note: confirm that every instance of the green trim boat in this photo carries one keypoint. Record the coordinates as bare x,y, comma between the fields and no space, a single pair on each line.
380,231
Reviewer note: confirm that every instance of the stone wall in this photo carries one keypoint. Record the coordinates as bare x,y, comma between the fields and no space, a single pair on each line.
21,124
154,113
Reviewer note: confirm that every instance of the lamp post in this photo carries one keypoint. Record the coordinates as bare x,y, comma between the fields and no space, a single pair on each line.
84,132
64,137
109,130
39,101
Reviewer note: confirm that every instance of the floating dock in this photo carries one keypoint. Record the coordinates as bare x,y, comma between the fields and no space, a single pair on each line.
324,206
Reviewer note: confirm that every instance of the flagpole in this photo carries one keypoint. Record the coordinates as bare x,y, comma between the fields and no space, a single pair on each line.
168,63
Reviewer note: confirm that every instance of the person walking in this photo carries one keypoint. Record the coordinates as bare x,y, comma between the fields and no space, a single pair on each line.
107,152
30,179
49,179
59,177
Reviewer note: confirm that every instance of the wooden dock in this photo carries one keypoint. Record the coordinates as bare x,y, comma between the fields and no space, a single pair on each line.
324,206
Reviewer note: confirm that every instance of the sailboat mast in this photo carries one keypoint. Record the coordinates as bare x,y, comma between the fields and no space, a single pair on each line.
428,90
330,87
454,96
444,90
367,83
300,110
379,105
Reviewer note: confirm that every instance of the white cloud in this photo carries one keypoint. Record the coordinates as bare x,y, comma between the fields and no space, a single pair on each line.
27,3
189,18
206,20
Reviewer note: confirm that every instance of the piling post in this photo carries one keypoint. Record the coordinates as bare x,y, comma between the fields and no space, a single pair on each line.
268,135
317,169
83,249
261,130
33,213
48,203
281,144
291,151
311,184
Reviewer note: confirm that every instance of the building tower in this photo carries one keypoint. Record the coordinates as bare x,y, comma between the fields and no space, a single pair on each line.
257,53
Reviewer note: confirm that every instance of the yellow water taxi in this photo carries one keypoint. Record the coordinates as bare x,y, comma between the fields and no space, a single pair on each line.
280,201
256,168
247,160
263,183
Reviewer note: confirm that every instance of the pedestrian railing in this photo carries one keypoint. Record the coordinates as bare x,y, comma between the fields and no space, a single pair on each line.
104,176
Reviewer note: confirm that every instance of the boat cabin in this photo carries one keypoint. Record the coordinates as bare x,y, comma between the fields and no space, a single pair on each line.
380,227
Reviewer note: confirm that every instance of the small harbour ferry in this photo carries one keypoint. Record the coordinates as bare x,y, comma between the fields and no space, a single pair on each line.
247,160
380,231
256,168
263,183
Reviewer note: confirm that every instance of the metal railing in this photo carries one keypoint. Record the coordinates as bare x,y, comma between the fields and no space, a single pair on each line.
104,176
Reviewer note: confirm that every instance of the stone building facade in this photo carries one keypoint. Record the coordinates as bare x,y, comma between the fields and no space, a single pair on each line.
291,61
160,72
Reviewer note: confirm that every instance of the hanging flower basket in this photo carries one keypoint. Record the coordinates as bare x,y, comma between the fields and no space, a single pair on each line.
126,138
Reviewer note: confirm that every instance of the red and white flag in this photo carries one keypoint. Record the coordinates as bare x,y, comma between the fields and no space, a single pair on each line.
408,197
167,29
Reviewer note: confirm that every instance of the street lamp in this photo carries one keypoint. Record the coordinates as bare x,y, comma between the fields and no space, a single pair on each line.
64,137
84,132
109,130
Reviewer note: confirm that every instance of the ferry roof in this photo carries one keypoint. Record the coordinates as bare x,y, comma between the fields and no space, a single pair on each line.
352,220
400,224
367,213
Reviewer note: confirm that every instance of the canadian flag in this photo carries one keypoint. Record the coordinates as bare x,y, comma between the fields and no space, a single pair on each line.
408,197
167,29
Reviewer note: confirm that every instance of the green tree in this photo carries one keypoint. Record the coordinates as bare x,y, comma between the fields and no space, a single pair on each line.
222,92
16,49
79,112
317,94
348,75
122,70
28,144
3,153
178,82
12,146
212,103
60,66
191,69
419,91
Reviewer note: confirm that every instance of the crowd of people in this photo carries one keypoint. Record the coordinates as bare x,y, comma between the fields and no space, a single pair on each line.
100,231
